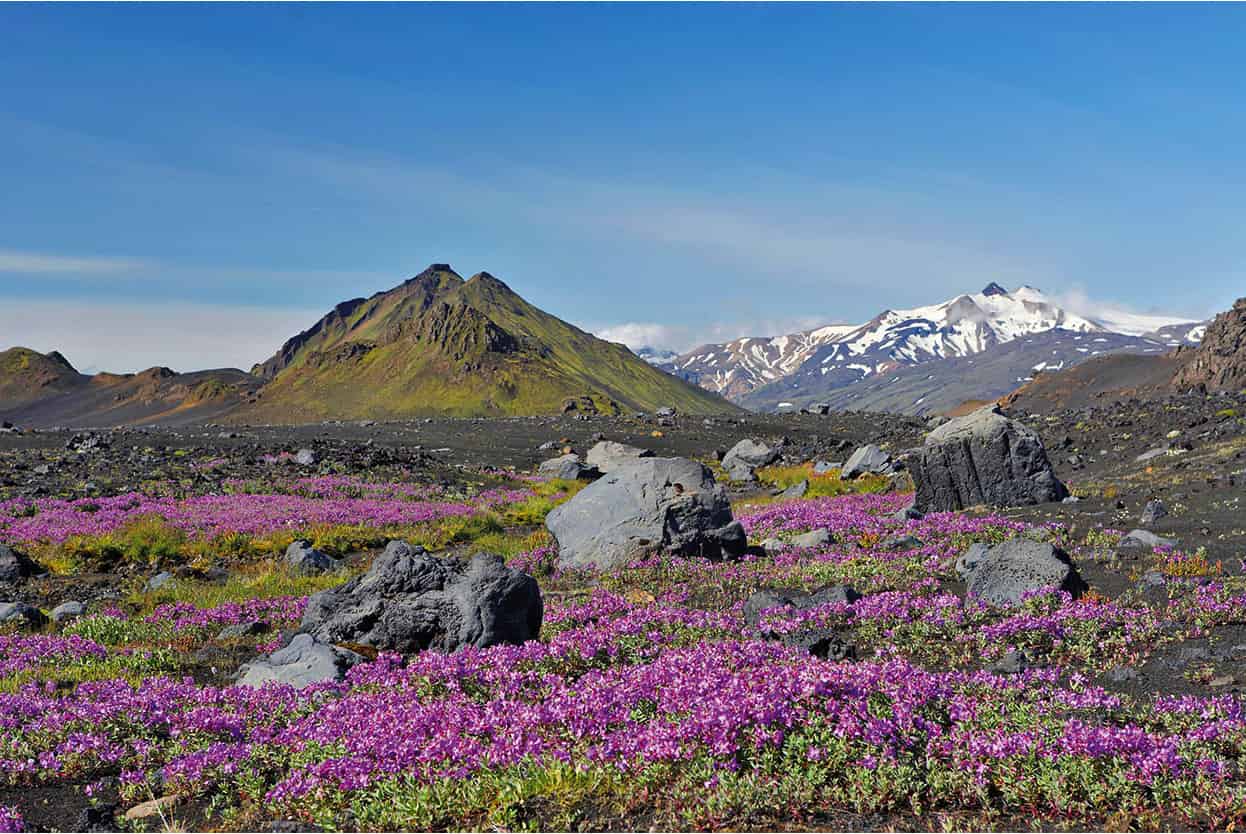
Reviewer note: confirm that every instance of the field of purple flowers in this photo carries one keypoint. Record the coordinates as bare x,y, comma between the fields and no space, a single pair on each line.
648,702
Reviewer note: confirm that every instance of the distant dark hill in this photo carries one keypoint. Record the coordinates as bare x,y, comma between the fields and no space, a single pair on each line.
157,395
439,345
27,376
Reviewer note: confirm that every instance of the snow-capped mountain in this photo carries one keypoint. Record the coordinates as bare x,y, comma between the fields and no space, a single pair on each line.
737,367
760,372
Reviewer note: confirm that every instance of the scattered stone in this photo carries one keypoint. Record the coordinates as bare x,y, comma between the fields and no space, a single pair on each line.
1122,674
411,600
1002,574
983,458
1012,663
158,581
1153,511
567,467
745,457
67,611
1144,539
239,630
1150,455
98,819
1222,681
304,558
547,446
819,642
823,467
814,538
42,469
897,543
796,490
16,566
666,411
672,504
303,662
159,807
866,460
608,455
773,545
909,513
21,614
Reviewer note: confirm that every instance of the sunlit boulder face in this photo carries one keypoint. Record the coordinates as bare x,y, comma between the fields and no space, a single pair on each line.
983,458
668,504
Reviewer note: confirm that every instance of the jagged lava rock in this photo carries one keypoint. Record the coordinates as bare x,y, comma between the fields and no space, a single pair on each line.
411,600
1002,574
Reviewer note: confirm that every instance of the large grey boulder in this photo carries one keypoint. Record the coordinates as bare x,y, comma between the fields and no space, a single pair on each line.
983,458
411,600
15,566
1000,575
304,558
671,504
567,467
608,455
303,662
866,460
746,456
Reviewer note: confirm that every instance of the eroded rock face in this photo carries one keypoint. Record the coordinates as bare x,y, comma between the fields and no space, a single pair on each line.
411,600
1002,574
672,504
1219,362
983,458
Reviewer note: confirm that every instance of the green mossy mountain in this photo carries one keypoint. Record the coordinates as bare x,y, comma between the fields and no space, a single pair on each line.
439,345
27,376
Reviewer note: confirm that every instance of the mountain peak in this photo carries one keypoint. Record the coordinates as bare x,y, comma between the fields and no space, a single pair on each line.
994,289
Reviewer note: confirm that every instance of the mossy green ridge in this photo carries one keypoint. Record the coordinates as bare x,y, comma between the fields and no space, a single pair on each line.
27,375
439,345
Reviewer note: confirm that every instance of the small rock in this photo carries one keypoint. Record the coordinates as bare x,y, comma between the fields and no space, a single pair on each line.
15,566
814,538
896,543
1122,674
1012,663
158,581
1150,455
239,630
796,490
1144,539
1222,681
823,467
305,457
773,545
304,558
303,662
866,460
67,611
21,614
152,808
1153,511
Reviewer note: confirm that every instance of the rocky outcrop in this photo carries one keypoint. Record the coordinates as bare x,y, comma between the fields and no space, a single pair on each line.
411,600
668,504
983,458
1219,362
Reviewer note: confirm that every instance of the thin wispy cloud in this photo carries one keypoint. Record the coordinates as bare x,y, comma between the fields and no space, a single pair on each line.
42,263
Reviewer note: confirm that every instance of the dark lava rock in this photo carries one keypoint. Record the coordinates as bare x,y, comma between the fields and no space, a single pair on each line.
21,614
98,819
820,642
410,600
15,566
1153,511
669,503
983,458
1000,575
240,630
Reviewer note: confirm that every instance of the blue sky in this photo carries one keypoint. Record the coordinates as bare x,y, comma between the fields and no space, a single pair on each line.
189,185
